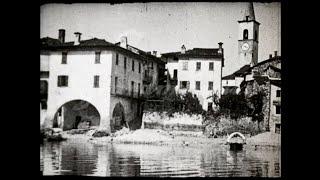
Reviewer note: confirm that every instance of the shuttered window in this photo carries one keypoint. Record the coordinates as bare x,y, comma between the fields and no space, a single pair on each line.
184,84
210,85
211,66
62,81
96,81
97,59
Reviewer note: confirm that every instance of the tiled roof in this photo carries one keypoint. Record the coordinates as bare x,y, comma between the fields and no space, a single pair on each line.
268,60
196,52
95,42
231,76
242,70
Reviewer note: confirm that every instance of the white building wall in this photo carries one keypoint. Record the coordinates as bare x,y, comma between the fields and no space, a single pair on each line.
44,62
203,75
274,118
80,69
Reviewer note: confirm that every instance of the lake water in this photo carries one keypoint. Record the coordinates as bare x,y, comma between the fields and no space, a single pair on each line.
84,158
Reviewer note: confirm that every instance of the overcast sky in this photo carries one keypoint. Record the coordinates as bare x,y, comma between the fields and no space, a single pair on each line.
164,27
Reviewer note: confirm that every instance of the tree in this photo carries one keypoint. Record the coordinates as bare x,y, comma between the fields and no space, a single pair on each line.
233,105
255,107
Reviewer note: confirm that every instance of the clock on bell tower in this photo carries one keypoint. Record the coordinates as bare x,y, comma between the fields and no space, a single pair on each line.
248,37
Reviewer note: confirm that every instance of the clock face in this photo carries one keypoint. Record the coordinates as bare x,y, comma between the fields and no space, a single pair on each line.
245,46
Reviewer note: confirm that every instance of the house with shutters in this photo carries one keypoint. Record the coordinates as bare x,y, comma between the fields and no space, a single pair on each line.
196,70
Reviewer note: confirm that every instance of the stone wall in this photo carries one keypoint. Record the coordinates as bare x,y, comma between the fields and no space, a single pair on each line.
179,121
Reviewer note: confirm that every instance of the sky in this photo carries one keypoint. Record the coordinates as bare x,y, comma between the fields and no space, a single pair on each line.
165,27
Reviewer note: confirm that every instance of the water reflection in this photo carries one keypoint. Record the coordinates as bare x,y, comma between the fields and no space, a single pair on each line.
84,158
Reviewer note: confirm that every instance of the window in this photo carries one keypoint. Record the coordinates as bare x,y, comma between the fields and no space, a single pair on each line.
175,74
62,81
278,109
96,82
184,84
132,88
197,85
255,35
132,65
138,89
125,63
198,66
117,59
139,67
209,106
151,65
64,58
245,34
144,89
210,87
210,66
278,93
185,66
97,60
115,84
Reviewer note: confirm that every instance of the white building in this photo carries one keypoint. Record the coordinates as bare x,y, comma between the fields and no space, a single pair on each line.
94,82
248,39
198,71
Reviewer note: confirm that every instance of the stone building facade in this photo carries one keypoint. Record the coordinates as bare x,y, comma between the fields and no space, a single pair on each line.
106,79
265,77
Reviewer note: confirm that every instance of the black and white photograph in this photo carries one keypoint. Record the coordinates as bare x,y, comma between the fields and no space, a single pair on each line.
160,89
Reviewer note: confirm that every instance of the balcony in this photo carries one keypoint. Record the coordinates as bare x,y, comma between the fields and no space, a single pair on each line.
123,92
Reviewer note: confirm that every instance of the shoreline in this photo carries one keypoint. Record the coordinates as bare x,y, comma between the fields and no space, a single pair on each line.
164,138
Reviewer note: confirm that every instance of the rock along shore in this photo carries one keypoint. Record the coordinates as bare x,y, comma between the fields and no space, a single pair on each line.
172,138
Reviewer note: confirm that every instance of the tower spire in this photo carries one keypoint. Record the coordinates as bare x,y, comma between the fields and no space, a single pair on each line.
249,12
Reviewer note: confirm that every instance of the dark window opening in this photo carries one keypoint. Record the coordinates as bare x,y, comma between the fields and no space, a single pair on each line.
278,93
125,63
278,109
278,128
175,74
139,67
245,34
132,88
64,58
184,84
151,65
97,59
96,81
43,104
132,65
117,59
62,81
138,89
255,35
115,84
210,85
210,106
211,66
197,85
198,66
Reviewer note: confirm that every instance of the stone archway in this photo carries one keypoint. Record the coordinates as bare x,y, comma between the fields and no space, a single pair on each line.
76,114
118,117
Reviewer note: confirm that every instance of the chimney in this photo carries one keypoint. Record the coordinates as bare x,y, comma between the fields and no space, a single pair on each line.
270,56
220,48
275,53
124,42
154,53
183,49
62,34
77,38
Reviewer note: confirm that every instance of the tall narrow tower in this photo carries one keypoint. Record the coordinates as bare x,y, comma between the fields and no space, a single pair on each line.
248,37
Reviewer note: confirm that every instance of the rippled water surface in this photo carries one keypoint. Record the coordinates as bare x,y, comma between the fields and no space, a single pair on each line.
83,158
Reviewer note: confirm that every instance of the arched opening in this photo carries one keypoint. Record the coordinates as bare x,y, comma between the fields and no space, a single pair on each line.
76,114
118,118
245,34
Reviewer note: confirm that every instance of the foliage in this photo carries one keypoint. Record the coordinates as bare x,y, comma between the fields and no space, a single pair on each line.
233,105
172,102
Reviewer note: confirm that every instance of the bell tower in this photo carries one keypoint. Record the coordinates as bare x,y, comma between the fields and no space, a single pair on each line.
248,37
